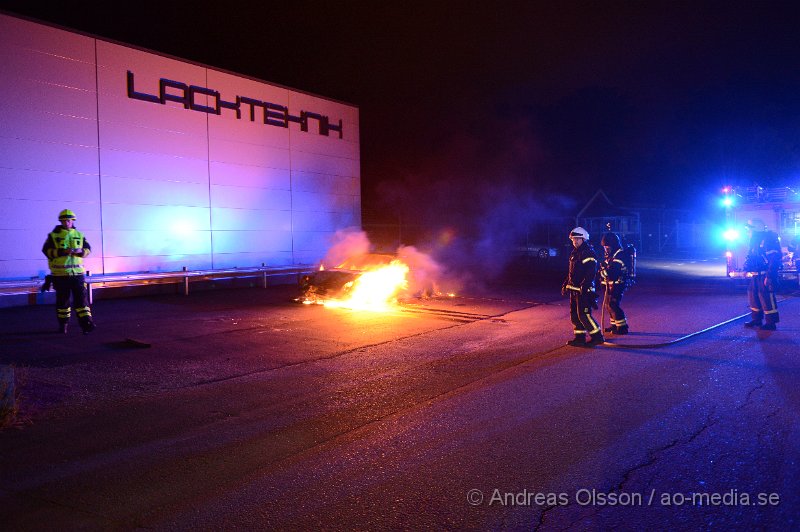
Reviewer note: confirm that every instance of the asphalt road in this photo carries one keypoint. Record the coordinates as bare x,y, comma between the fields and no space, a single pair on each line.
250,411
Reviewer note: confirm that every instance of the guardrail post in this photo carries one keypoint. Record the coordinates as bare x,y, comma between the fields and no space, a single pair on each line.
264,265
185,283
89,287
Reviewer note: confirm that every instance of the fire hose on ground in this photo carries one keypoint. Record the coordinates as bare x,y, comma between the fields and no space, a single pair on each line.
671,342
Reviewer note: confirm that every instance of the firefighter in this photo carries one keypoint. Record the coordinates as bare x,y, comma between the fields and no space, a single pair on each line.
614,277
762,264
793,247
579,285
65,249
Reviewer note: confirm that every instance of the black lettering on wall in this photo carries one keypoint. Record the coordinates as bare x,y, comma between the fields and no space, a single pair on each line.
276,115
322,122
140,95
297,119
338,128
253,104
236,106
182,98
194,106
272,114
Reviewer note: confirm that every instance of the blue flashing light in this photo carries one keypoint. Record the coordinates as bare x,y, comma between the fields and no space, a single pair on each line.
727,201
731,235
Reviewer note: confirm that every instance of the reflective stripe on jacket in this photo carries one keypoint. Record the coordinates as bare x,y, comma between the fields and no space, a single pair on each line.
582,268
613,269
55,249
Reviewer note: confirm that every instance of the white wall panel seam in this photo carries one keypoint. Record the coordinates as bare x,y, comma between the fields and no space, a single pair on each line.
99,162
237,186
291,194
45,114
208,175
150,128
251,209
149,153
58,56
53,143
312,152
39,52
249,166
51,84
48,171
201,206
153,179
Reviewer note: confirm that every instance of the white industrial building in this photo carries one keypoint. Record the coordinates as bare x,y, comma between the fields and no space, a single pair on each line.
167,163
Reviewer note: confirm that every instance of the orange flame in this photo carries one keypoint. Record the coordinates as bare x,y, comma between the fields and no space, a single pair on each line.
375,290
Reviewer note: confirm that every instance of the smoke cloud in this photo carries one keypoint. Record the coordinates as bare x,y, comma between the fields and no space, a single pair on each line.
477,202
346,243
426,276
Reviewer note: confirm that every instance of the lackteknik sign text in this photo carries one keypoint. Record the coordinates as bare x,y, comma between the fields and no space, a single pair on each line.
270,114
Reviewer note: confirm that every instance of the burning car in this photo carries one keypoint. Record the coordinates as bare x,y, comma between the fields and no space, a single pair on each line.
367,281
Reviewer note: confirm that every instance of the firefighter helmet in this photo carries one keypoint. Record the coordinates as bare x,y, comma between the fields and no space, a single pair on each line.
611,240
66,214
579,232
755,224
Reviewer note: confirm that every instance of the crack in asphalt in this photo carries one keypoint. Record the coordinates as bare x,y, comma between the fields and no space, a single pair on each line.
653,455
540,522
749,398
764,433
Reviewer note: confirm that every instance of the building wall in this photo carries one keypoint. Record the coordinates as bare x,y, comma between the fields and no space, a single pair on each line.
158,186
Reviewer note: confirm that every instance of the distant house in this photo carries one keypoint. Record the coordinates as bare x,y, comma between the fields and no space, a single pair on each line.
599,211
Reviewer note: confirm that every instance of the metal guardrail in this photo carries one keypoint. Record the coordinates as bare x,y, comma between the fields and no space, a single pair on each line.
9,288
147,278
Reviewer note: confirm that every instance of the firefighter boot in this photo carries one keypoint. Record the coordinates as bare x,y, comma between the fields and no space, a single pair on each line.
87,326
62,326
768,327
752,324
578,341
595,339
621,330
612,329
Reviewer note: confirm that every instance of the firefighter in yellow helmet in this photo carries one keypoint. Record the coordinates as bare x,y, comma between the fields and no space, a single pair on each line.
65,249
579,285
762,264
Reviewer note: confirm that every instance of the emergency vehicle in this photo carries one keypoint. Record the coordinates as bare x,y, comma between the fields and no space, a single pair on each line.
778,208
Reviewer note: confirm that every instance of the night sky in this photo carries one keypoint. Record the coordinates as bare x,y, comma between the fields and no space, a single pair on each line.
480,110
